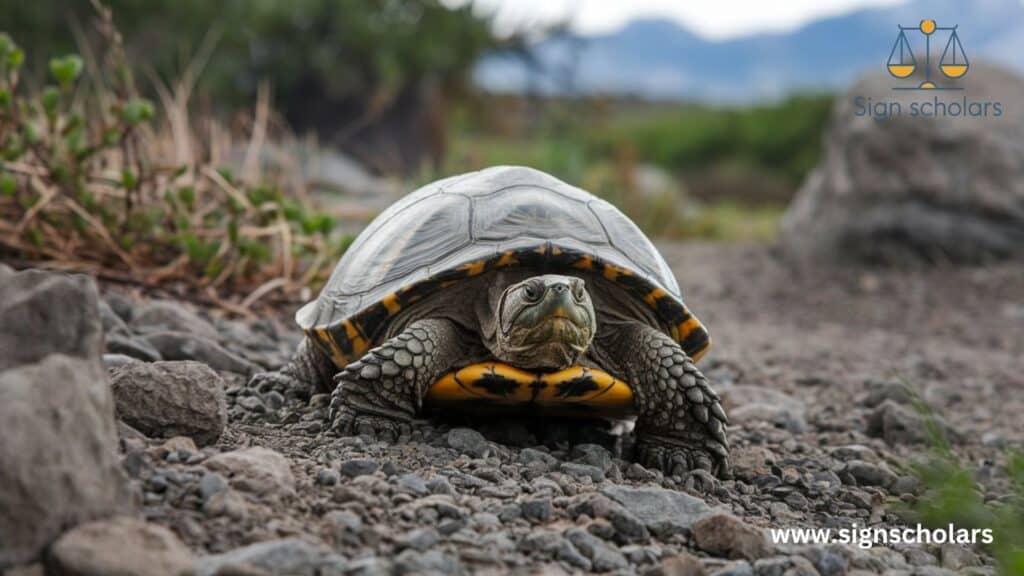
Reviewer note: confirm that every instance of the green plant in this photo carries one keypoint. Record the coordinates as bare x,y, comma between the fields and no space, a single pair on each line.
88,181
952,495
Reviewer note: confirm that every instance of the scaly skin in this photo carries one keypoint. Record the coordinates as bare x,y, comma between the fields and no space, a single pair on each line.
681,426
309,371
379,394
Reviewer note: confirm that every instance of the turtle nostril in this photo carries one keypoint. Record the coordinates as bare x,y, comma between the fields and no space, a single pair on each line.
560,288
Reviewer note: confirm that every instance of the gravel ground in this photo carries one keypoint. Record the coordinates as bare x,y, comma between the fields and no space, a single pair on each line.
812,368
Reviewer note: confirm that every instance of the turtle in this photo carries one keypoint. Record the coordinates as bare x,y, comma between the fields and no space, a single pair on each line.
507,283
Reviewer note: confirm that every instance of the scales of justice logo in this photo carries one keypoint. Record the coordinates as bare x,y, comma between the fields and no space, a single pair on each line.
953,63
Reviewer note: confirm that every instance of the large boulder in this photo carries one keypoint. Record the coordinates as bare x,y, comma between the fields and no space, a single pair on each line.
909,189
42,313
58,451
165,399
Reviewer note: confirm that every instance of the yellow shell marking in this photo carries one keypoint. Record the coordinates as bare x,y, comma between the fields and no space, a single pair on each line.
359,344
585,263
653,296
575,389
507,259
391,303
324,335
612,272
685,328
473,268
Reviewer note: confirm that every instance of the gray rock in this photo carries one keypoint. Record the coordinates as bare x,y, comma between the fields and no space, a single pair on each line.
43,313
826,562
134,347
468,441
603,558
171,316
164,399
359,467
211,483
114,361
532,456
662,511
418,539
593,455
723,534
433,562
748,403
111,320
913,189
412,484
737,568
899,424
58,451
119,546
291,556
256,470
784,566
553,545
327,477
186,346
538,510
122,305
869,474
581,471
957,557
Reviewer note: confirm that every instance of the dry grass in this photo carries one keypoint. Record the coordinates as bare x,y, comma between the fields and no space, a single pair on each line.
94,178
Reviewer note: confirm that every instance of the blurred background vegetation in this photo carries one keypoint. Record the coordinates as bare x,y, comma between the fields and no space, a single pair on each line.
387,83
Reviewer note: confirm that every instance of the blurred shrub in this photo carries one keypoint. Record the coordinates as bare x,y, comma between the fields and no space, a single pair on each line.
783,138
334,66
87,181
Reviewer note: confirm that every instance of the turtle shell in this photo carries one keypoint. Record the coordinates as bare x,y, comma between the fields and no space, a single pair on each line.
463,226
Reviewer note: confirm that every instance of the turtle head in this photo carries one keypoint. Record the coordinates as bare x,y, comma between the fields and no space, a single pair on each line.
544,322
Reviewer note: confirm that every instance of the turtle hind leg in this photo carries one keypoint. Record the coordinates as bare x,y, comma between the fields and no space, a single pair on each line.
379,394
681,423
308,372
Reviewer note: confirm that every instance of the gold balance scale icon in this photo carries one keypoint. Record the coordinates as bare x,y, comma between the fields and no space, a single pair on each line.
953,63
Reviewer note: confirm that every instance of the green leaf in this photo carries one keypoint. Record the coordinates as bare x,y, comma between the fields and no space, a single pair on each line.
129,180
51,101
16,58
187,194
8,185
6,44
5,97
65,70
136,111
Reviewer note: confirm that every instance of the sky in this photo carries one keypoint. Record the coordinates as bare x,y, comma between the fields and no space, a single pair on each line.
713,19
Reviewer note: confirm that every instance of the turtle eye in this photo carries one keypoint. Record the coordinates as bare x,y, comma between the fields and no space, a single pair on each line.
531,292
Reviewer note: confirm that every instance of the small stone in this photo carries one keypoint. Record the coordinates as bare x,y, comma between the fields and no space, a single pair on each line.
412,484
784,566
662,511
868,474
723,534
593,455
581,471
165,399
468,441
190,346
327,477
344,520
257,470
957,557
287,556
737,568
419,539
682,564
119,546
603,558
359,467
211,483
538,511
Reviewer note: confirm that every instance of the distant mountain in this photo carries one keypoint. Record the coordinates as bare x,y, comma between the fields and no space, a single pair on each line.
658,59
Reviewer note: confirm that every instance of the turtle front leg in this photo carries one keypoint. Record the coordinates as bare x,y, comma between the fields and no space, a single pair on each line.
379,394
681,423
309,371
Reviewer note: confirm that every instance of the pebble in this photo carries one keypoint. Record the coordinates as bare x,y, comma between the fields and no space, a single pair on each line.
468,441
359,467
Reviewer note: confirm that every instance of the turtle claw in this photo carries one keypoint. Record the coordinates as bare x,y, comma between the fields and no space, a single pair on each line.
349,421
676,459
